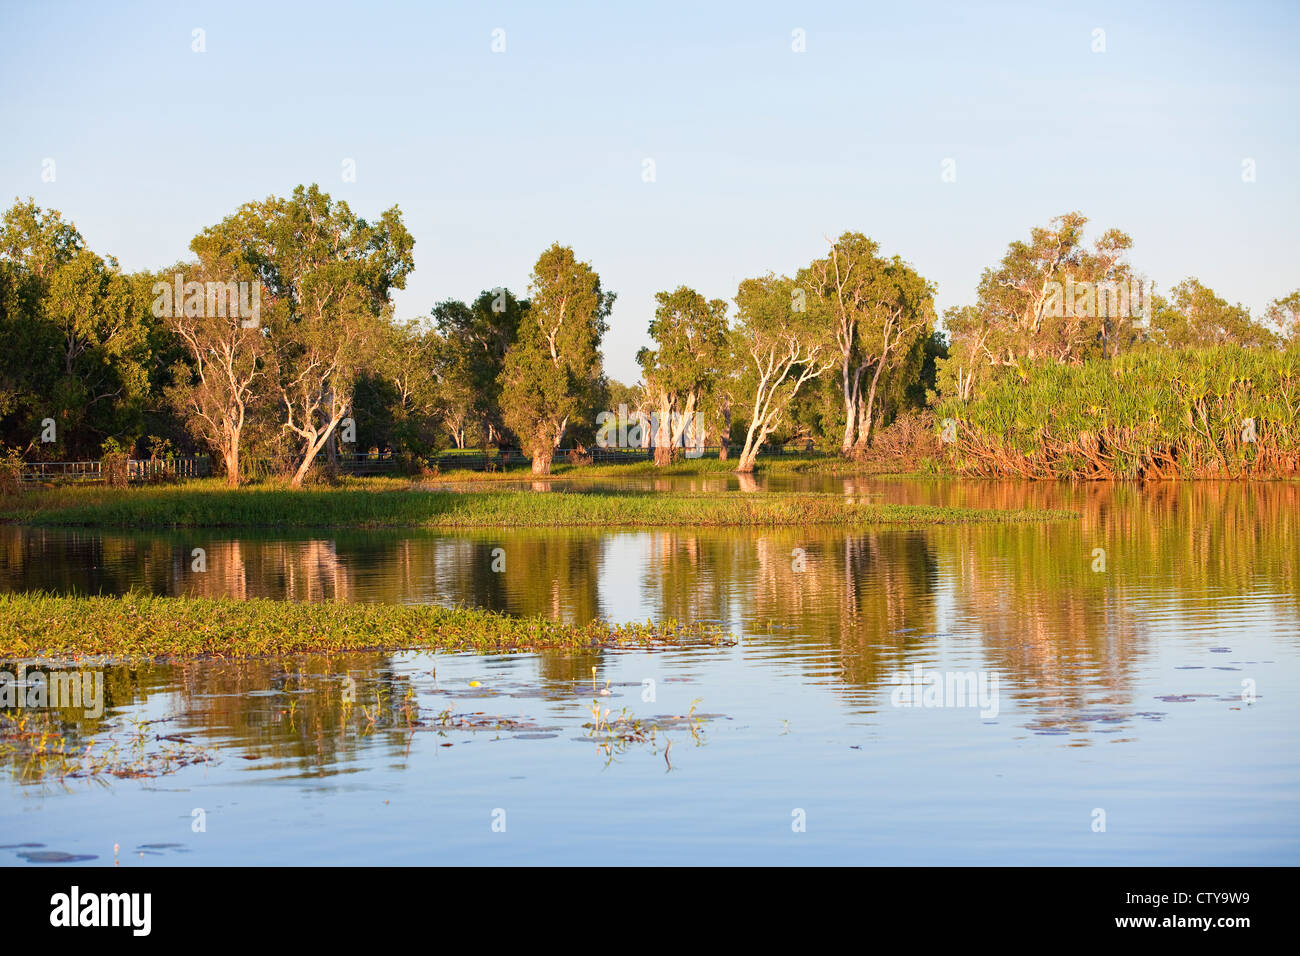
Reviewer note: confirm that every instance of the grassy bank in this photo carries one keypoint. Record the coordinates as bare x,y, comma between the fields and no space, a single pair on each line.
1224,412
380,503
791,464
141,626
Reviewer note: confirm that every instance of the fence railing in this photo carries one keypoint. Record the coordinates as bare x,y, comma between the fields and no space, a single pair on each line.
148,469
152,469
382,463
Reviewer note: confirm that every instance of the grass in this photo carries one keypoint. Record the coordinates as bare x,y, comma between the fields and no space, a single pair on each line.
137,626
392,503
788,464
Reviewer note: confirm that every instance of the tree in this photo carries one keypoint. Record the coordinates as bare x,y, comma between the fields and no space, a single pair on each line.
844,285
331,276
784,347
398,400
1284,315
1054,297
73,335
216,391
460,400
691,334
93,311
893,336
966,367
880,310
554,365
628,408
715,407
1195,316
476,337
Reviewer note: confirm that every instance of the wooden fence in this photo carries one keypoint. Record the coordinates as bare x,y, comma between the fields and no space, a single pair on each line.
200,466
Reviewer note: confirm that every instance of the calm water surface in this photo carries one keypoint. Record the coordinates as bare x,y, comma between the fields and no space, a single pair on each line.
1118,690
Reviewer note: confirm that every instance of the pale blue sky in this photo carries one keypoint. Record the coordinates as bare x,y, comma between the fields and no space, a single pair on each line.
759,151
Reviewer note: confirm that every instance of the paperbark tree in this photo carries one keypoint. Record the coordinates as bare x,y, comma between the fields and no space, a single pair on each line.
554,366
879,309
331,274
225,380
1028,309
844,284
691,334
1284,315
784,347
900,319
1195,316
217,389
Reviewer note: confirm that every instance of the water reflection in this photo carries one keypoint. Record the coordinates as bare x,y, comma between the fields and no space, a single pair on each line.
1202,556
1200,591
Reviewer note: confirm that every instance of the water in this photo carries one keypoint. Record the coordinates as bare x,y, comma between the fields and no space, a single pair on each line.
1118,690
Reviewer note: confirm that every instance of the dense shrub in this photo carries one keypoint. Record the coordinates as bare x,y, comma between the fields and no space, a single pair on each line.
1222,412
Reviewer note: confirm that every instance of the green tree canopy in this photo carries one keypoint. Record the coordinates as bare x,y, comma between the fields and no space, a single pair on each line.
690,334
553,371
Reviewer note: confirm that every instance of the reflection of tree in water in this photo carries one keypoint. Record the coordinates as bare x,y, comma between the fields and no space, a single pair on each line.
1051,626
1063,634
84,562
568,675
316,732
693,576
554,574
123,685
870,594
119,744
1185,552
257,705
855,591
1205,552
294,570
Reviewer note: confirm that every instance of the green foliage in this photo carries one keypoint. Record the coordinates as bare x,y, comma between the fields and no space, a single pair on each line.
781,346
1021,317
377,504
1195,316
141,627
681,374
552,373
74,337
11,471
1284,316
399,399
113,464
881,311
330,275
87,346
474,340
1153,413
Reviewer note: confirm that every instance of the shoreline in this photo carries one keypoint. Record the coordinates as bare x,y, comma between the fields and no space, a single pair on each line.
370,504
